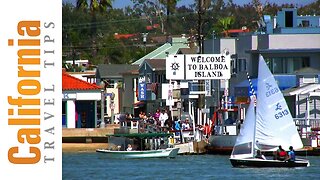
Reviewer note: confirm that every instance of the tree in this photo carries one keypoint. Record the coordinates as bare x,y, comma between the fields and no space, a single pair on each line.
151,10
224,25
94,5
171,7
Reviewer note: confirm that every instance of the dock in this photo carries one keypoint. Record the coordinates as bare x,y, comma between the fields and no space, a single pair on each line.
90,139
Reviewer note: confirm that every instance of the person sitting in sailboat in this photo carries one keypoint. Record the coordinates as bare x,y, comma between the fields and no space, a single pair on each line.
280,154
259,155
291,155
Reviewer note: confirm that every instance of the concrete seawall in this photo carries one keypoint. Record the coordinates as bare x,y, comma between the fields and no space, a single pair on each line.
82,147
86,139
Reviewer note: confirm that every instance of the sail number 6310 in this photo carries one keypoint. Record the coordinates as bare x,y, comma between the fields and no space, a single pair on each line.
281,114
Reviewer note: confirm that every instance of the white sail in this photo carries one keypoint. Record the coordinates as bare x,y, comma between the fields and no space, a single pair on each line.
274,123
266,126
244,144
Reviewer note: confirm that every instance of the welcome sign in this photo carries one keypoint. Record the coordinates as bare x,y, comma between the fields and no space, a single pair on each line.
198,66
30,126
207,66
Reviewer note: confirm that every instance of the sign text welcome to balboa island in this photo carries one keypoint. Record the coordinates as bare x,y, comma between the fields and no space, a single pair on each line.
207,66
198,67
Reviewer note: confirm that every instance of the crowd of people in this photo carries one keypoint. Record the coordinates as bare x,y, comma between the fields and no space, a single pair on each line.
162,121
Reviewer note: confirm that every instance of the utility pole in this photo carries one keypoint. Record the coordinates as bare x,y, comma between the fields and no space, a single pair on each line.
200,38
200,45
112,106
103,97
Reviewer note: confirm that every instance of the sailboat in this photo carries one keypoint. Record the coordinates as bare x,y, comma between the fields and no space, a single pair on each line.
267,125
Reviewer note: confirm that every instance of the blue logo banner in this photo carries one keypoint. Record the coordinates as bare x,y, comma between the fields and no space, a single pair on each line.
142,91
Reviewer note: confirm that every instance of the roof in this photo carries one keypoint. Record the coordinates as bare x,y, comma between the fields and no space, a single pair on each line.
307,70
275,51
72,83
238,30
305,89
161,52
157,64
123,36
188,50
115,71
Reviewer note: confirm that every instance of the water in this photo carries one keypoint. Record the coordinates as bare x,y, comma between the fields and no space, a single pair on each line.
85,166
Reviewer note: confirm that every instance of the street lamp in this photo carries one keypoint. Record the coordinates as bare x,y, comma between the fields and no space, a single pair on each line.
112,106
103,87
144,39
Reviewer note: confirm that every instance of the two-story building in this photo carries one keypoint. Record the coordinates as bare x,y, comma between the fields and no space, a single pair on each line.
290,44
113,75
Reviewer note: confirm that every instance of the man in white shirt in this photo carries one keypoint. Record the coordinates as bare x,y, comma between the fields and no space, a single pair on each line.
163,117
186,124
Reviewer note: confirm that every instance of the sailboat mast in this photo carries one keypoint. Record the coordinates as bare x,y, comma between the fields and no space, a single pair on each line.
253,98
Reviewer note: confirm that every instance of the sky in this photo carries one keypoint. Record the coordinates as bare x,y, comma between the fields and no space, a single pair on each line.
124,3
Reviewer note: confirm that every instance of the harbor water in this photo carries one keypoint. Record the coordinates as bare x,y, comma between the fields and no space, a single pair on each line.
77,166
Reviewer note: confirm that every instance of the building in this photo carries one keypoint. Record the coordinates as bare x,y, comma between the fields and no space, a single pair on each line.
290,44
79,102
152,74
118,82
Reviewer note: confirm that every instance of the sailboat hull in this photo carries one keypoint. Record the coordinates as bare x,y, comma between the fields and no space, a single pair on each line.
260,163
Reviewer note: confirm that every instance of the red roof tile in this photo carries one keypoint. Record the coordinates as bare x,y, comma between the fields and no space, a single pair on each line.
123,36
72,83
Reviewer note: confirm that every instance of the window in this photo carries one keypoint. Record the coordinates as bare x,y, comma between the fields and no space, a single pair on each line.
148,79
288,19
110,84
305,23
241,65
233,66
284,65
278,65
160,78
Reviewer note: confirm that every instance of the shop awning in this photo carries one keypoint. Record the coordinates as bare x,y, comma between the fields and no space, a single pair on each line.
138,104
305,89
284,82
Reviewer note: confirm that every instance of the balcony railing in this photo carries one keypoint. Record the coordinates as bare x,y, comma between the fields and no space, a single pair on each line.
196,88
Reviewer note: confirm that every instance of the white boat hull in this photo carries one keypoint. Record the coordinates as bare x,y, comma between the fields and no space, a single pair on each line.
160,153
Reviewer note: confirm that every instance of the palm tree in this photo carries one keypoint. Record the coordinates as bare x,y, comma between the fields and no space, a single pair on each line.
224,24
94,5
171,6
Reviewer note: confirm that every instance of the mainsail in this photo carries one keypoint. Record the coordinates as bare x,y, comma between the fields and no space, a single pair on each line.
274,123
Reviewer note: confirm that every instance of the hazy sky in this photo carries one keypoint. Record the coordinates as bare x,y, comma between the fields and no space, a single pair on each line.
123,3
